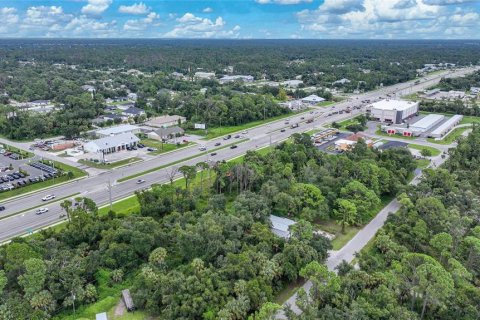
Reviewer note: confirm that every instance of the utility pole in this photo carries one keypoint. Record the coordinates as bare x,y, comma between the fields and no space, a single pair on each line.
73,301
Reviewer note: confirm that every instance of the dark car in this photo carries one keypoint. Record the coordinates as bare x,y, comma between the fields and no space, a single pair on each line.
218,144
233,147
2,208
213,154
283,130
140,145
237,136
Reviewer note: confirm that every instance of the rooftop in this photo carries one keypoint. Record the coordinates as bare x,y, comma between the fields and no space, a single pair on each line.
426,122
112,141
117,129
393,104
280,226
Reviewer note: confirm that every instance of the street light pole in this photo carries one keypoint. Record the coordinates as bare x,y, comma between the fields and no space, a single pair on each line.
110,194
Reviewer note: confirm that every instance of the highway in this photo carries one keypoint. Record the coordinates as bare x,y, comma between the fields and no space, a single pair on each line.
96,187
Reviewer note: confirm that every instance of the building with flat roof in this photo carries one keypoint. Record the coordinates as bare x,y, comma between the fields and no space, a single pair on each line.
111,144
121,129
281,226
312,99
392,111
166,133
204,75
227,79
426,123
445,127
165,121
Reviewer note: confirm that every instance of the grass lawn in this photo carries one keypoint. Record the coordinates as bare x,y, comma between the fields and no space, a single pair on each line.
344,124
342,239
163,147
451,137
411,97
422,163
124,206
435,152
325,103
111,165
23,153
77,173
221,131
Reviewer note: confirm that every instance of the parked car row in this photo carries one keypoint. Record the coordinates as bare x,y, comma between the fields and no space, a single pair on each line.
20,183
44,167
11,155
12,177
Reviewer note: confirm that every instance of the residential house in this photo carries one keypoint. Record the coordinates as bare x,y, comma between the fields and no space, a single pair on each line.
281,226
133,112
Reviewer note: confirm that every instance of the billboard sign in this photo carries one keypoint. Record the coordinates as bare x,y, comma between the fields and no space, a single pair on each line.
199,125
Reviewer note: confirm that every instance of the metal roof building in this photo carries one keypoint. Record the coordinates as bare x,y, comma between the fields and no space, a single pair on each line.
113,131
111,144
281,226
393,111
426,123
446,126
312,99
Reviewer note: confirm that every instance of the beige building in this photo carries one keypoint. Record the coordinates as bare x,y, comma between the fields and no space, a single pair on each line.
165,121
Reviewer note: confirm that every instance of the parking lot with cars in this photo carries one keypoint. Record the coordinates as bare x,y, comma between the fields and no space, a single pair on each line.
18,173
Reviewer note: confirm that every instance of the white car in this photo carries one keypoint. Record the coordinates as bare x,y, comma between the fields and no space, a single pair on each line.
140,181
48,197
41,210
245,132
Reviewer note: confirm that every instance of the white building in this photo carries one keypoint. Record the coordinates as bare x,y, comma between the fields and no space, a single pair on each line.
446,126
294,105
111,144
426,123
204,75
452,94
393,111
475,90
292,83
165,121
227,79
281,226
341,81
313,99
117,130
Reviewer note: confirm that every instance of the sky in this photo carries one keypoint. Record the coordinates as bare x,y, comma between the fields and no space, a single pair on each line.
241,19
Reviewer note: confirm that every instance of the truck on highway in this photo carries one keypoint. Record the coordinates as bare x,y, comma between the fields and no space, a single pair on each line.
310,120
295,125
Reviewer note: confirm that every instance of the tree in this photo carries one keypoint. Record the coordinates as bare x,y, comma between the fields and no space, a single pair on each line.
363,199
3,281
426,152
346,213
267,311
66,205
282,95
189,173
171,173
32,281
202,166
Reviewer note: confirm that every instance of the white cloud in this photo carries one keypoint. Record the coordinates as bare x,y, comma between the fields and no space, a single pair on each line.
142,24
136,8
446,2
191,26
387,19
96,7
44,16
207,10
84,26
283,2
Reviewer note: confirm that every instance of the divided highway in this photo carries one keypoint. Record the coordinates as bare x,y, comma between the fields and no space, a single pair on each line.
96,187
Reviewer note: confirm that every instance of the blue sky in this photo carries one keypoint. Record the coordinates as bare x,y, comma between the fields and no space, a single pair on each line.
243,19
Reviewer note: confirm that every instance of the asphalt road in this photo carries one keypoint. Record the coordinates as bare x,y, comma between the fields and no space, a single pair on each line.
96,187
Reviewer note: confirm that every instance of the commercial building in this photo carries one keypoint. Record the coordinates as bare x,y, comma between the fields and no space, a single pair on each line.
426,123
166,133
165,121
392,111
204,75
312,99
227,79
446,126
117,130
344,144
281,226
111,144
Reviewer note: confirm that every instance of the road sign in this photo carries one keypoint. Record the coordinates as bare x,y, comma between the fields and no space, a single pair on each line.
200,126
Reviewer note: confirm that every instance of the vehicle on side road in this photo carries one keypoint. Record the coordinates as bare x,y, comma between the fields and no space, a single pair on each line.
48,197
140,181
233,147
41,211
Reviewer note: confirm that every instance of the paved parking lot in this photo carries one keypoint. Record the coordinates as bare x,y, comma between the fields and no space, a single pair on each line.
8,181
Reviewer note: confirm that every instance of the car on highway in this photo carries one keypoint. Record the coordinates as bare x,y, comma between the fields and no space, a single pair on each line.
2,208
283,130
48,197
41,211
218,144
237,136
140,181
202,148
245,132
213,154
227,137
233,147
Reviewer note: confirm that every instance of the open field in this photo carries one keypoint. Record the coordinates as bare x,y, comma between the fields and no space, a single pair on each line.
164,147
218,132
434,151
325,104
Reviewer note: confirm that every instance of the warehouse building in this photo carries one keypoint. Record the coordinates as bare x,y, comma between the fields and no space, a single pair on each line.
446,126
426,123
121,129
111,144
393,111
